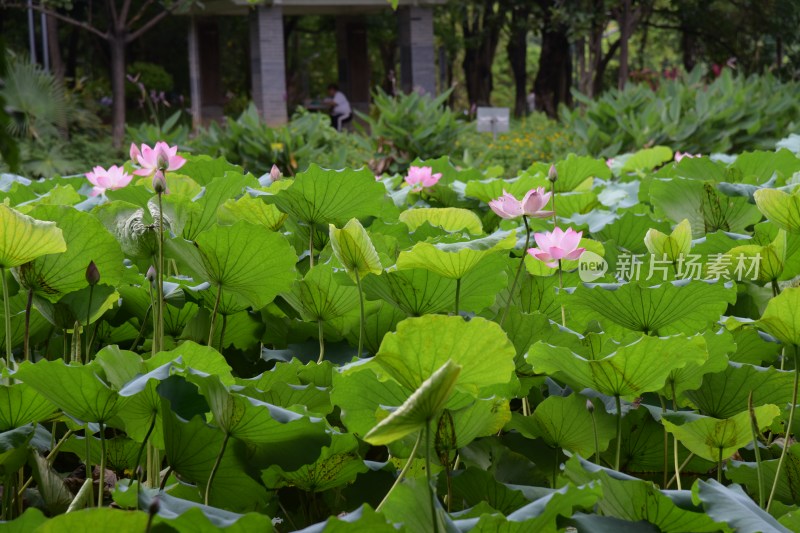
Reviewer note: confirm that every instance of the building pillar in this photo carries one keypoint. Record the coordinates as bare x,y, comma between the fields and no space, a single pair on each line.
353,61
417,56
194,75
268,64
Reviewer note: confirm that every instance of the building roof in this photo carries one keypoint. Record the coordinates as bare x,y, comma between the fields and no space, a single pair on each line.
303,7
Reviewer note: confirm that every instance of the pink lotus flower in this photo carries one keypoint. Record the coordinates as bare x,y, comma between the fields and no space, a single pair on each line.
112,179
679,156
507,206
422,177
556,245
161,157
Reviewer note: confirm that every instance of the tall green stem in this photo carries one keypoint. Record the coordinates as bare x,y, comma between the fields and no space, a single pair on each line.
756,449
519,270
27,343
222,332
619,431
216,467
159,336
428,475
788,430
719,467
361,325
137,471
88,319
596,440
321,342
6,315
102,479
560,291
89,474
403,472
675,446
214,316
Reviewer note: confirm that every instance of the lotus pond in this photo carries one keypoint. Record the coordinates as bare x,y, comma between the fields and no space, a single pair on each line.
597,346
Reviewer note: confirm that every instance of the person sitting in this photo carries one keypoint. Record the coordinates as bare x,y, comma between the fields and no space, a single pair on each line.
340,107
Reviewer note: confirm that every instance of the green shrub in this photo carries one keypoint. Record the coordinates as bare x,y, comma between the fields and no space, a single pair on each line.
730,114
534,138
410,126
248,141
153,77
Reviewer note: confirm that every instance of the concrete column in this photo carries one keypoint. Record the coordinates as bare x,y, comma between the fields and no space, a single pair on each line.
353,61
194,75
417,55
268,64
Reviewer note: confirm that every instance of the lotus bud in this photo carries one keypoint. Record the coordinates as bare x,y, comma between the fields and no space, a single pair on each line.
159,182
92,274
151,274
552,174
589,406
275,173
154,507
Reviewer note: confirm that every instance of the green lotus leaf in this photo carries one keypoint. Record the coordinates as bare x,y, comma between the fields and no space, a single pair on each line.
780,207
338,465
253,210
204,169
23,238
690,376
673,246
77,306
250,261
771,259
362,519
543,514
634,499
732,506
21,404
321,196
647,159
630,230
706,209
724,394
419,292
422,345
320,296
714,439
454,260
564,422
200,213
354,249
448,218
632,369
684,306
252,420
54,275
191,449
781,318
418,410
79,390
359,394
787,490
14,449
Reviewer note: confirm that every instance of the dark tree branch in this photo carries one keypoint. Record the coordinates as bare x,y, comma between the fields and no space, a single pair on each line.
55,14
139,14
155,20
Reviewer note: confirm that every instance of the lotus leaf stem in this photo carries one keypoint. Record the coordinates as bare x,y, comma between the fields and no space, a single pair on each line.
361,326
6,315
458,294
216,467
27,341
786,434
321,342
214,316
756,450
159,337
403,472
102,478
428,476
519,270
88,319
619,431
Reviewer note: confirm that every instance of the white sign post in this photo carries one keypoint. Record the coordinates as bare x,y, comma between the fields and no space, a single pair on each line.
494,119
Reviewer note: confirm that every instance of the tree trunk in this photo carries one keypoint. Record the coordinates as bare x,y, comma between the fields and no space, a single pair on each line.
481,30
117,47
54,47
517,49
624,37
554,79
